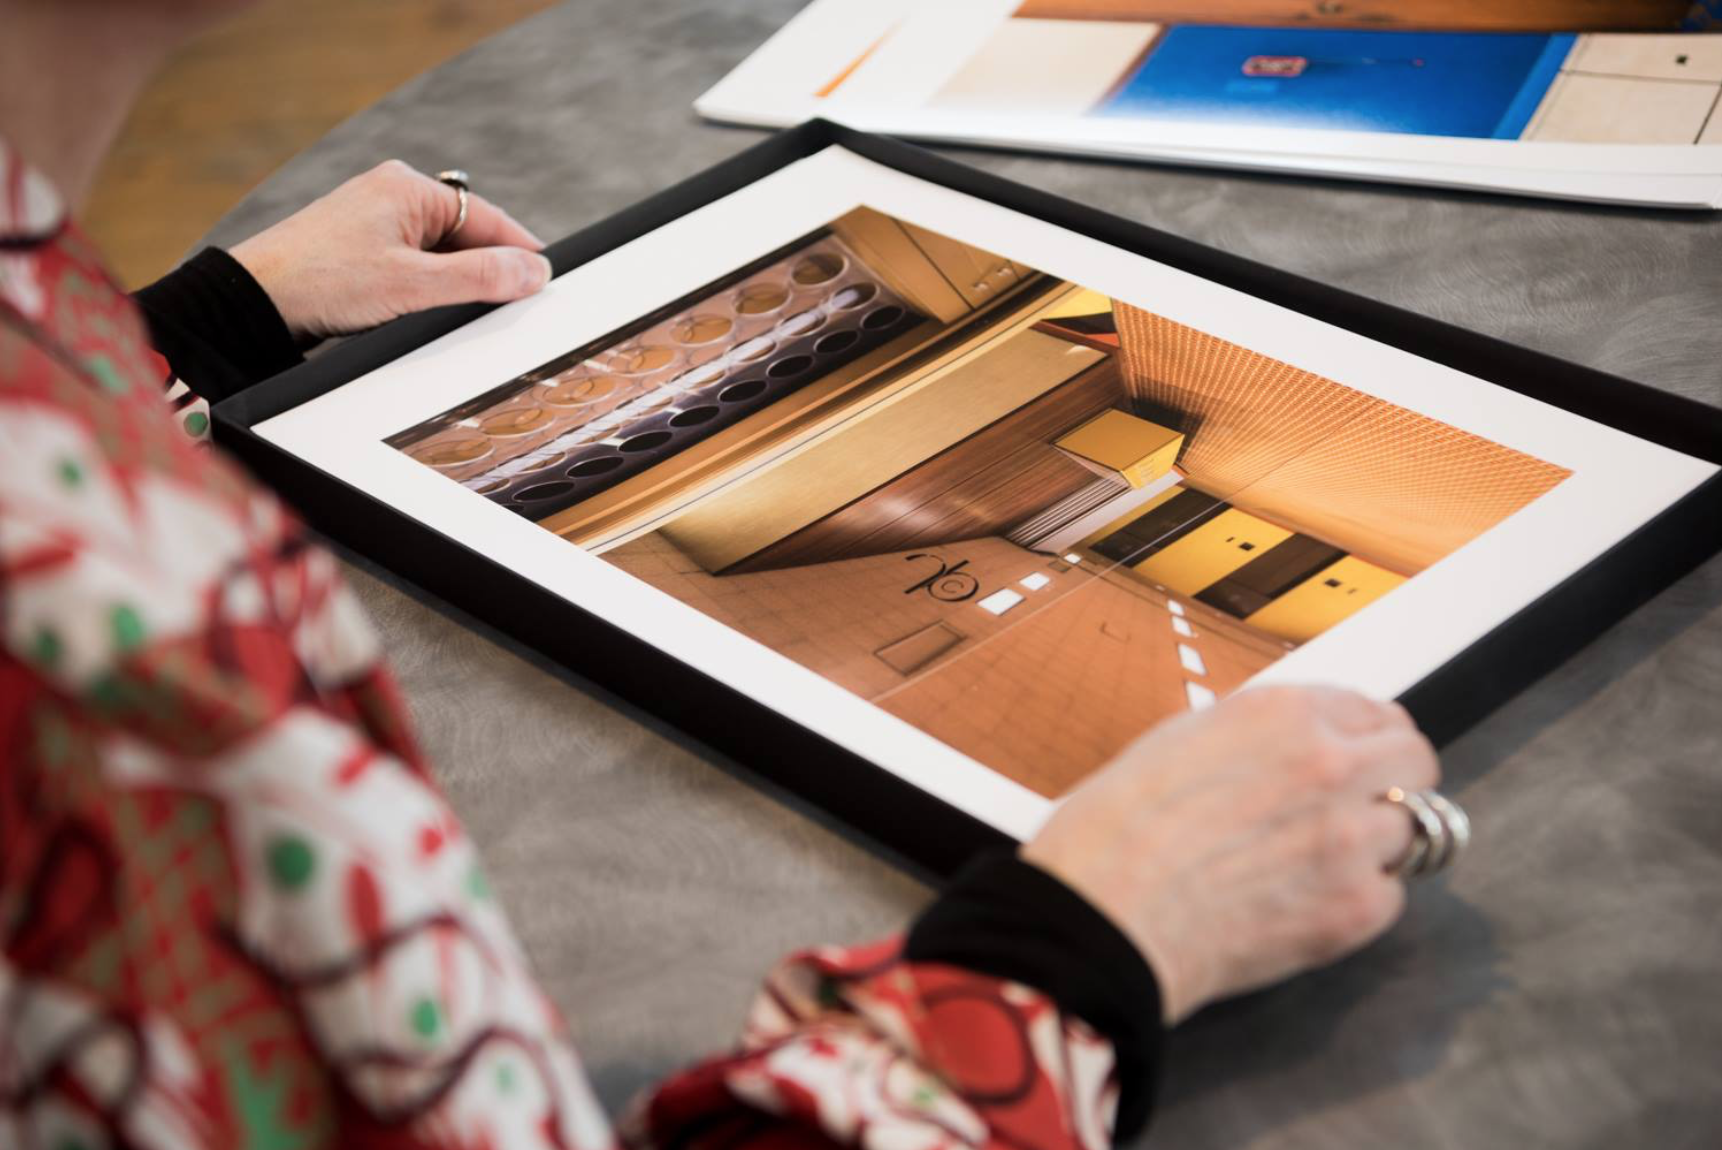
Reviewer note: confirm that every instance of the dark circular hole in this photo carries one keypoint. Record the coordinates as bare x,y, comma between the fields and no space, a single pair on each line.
694,416
883,318
597,465
647,441
837,341
544,491
794,365
742,392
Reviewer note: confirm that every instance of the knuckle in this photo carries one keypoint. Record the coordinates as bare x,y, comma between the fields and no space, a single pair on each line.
1415,759
1429,762
390,174
1327,764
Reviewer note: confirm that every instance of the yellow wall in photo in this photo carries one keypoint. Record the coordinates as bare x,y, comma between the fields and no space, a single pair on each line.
1325,598
1211,552
1082,301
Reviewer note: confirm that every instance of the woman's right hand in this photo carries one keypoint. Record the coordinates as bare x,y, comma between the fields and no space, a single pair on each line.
1243,844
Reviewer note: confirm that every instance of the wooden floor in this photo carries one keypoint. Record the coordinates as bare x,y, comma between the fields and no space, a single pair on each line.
230,109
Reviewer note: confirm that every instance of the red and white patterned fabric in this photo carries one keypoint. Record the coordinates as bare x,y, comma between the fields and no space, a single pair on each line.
235,910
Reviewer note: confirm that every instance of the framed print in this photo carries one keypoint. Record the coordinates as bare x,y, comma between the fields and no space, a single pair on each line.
924,494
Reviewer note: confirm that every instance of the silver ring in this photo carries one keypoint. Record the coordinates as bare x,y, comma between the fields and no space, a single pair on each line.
462,185
1440,831
1457,822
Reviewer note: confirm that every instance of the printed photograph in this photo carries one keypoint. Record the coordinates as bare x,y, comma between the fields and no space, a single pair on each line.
1181,62
1026,518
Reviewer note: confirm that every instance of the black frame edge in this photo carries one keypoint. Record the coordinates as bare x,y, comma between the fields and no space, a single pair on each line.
1569,616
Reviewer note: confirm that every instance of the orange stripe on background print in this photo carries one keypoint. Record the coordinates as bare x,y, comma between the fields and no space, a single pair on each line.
836,81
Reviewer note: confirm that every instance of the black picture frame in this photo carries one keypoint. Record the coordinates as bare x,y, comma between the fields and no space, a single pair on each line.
855,790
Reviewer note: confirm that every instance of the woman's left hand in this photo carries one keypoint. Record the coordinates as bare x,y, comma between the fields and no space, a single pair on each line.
359,256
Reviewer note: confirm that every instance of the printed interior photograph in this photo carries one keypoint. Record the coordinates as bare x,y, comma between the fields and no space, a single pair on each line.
1139,58
1027,519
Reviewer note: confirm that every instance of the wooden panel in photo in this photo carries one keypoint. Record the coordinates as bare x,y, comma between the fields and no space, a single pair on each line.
1584,109
902,264
875,446
977,275
1451,15
983,485
1671,57
1049,67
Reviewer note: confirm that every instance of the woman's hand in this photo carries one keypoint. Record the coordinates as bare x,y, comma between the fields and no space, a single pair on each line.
358,257
1246,843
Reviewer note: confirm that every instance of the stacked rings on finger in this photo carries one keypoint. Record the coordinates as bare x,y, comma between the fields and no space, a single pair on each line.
1440,831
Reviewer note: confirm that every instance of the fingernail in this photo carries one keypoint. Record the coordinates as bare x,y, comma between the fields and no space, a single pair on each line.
534,272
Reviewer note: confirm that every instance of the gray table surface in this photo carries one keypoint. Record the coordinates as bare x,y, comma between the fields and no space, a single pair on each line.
1564,988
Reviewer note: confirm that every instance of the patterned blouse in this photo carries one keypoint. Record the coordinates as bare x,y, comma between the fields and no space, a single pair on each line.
236,911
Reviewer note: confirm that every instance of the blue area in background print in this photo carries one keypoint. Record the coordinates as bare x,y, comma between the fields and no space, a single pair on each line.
1705,16
1475,84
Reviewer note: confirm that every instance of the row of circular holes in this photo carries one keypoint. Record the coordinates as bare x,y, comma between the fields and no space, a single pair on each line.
844,299
833,344
694,416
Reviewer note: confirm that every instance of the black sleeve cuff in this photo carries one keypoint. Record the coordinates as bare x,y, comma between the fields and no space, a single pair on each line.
1009,919
216,326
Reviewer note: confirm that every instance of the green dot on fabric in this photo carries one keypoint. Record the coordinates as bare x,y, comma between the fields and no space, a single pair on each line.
477,885
47,647
196,423
426,1018
71,473
107,374
291,862
128,627
505,1078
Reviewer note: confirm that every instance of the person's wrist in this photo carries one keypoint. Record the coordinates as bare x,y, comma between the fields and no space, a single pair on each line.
1120,903
255,258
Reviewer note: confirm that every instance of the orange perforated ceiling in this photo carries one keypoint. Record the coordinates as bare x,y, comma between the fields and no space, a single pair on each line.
1386,483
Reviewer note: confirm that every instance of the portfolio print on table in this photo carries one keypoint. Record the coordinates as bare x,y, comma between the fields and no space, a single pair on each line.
1496,71
1026,518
